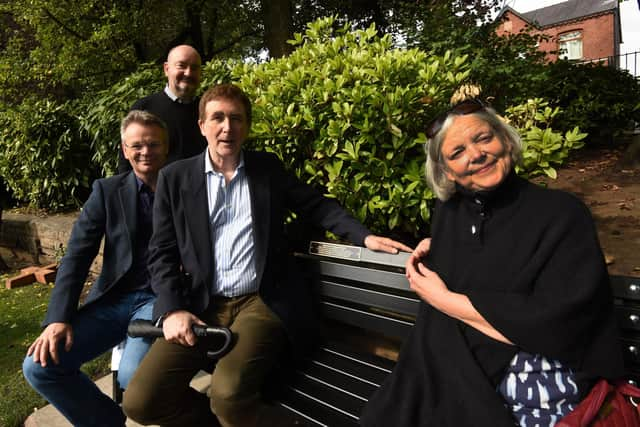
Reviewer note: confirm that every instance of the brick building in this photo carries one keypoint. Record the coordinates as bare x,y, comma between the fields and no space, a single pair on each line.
579,30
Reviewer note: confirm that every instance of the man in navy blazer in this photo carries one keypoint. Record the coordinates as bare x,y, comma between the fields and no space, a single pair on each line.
119,210
218,256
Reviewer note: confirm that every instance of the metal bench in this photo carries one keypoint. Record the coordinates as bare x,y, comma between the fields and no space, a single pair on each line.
332,388
355,288
360,294
364,299
626,291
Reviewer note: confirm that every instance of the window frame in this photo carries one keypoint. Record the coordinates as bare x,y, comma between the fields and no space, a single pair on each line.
572,40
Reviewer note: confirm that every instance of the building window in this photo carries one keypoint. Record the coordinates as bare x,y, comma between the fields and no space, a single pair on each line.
570,45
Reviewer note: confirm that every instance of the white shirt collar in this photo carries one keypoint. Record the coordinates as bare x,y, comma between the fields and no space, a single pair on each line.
208,166
174,97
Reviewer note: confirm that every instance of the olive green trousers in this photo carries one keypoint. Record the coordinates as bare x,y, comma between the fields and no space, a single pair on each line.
159,392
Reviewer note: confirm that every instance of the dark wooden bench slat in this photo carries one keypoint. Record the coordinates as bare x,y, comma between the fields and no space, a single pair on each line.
313,410
631,351
334,397
363,371
388,279
628,318
328,397
342,382
385,325
342,350
369,297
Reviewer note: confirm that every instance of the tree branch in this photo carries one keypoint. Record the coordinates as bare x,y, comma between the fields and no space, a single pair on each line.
60,23
234,41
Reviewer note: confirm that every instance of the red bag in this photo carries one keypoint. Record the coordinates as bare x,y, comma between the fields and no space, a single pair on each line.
606,405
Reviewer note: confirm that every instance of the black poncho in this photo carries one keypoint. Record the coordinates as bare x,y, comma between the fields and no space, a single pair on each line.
530,262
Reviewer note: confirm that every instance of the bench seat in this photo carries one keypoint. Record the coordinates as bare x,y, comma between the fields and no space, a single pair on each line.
330,390
333,386
370,303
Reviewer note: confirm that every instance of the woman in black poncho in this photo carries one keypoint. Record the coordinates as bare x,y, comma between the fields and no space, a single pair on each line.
516,322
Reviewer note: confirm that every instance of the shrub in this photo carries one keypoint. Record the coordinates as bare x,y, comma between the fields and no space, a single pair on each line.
44,160
602,101
346,111
544,147
101,114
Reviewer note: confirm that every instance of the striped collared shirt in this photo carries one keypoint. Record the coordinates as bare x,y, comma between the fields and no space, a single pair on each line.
231,231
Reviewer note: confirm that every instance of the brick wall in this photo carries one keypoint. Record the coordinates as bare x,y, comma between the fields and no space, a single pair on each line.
42,237
597,34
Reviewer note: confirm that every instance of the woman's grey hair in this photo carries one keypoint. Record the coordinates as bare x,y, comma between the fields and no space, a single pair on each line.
144,118
435,168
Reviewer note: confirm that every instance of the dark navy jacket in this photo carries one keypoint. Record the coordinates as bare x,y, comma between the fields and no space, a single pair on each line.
110,212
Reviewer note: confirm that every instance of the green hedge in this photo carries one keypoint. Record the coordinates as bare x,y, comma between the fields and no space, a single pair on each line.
603,101
544,147
101,115
44,160
345,112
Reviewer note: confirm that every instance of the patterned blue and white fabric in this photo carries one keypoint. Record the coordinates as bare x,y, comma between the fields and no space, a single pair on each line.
538,391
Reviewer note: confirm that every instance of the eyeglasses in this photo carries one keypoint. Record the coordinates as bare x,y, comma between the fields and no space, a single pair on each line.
152,146
463,108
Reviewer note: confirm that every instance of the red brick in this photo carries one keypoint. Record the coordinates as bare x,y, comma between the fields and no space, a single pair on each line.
45,276
29,270
20,280
53,266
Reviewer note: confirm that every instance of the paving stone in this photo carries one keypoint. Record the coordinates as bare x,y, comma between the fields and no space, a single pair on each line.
50,417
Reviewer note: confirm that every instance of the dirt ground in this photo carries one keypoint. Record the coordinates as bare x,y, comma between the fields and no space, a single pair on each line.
608,181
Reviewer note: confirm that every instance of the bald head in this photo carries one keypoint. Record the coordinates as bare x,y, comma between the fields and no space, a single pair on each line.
183,71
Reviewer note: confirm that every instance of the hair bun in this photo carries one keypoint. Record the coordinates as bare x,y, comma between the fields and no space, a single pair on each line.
464,92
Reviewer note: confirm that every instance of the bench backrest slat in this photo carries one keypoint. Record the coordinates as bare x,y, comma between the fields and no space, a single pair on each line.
385,325
401,304
364,274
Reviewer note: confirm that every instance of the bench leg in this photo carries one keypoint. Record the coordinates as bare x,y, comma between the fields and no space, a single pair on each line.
115,387
3,265
116,354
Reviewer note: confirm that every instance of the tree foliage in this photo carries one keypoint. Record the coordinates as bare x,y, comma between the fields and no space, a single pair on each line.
44,161
544,147
65,49
601,100
342,105
509,69
69,48
345,111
